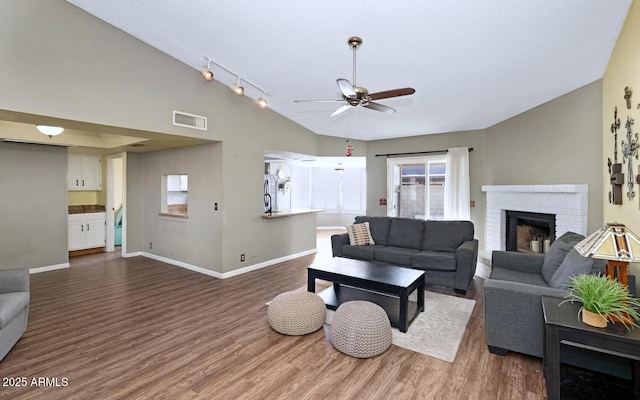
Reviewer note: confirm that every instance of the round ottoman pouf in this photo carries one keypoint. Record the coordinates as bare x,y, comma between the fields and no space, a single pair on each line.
361,329
297,313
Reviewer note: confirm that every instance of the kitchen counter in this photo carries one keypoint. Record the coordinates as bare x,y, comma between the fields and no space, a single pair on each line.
86,209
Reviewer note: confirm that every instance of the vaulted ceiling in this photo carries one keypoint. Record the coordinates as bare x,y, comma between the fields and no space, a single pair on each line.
472,63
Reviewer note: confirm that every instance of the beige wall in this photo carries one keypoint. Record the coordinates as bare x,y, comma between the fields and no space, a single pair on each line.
33,206
623,70
98,74
558,142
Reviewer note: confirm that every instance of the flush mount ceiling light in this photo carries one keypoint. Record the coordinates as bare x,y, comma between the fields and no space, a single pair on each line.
50,130
207,74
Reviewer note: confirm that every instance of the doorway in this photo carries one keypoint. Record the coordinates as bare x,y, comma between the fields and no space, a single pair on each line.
115,206
415,187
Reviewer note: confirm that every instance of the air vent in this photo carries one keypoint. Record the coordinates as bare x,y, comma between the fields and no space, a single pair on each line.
189,120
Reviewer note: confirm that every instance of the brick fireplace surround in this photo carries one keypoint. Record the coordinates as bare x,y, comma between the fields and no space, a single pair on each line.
567,202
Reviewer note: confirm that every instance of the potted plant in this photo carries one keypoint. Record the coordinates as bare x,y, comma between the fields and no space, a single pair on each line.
603,298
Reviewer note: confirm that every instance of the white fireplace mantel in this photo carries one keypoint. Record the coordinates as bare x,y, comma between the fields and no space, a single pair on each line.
567,201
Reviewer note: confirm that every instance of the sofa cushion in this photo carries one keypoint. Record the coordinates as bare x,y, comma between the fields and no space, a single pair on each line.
378,226
407,233
434,260
359,234
394,255
365,253
573,264
11,304
557,252
446,235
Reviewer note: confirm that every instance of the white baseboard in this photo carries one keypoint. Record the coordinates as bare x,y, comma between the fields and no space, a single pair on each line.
224,275
48,268
268,263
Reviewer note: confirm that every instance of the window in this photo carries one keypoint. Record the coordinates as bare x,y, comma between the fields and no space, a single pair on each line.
416,187
339,190
175,189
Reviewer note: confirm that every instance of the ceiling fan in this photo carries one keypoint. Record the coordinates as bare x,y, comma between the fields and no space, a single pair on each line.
356,96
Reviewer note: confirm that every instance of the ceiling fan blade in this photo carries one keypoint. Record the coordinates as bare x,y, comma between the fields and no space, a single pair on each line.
346,88
379,107
318,101
341,110
392,93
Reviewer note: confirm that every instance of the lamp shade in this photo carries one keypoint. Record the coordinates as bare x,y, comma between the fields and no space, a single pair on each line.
611,242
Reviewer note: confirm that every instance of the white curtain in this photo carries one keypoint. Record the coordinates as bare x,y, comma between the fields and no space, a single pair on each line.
456,185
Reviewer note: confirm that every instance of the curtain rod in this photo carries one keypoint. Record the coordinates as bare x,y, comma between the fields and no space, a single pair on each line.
417,152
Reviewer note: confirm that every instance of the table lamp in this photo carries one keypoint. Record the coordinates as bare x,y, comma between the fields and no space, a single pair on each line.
615,243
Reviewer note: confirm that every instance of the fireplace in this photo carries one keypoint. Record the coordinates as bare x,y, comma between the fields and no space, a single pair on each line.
568,202
529,232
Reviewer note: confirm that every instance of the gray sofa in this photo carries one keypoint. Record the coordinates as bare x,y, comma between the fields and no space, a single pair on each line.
14,307
512,301
445,250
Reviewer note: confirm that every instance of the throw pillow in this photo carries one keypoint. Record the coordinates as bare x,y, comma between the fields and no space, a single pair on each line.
557,252
573,264
359,234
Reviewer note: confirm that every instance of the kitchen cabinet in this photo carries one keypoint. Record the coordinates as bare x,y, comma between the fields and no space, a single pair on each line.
84,172
87,231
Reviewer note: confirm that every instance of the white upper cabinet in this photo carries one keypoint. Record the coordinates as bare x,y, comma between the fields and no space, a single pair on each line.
84,172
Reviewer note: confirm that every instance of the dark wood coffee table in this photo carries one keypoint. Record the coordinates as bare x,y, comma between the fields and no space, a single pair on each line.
389,286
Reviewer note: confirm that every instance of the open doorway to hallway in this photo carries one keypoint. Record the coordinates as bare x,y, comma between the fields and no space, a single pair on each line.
115,206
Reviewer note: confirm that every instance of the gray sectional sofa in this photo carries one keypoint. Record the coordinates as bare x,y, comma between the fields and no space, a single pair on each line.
14,307
445,250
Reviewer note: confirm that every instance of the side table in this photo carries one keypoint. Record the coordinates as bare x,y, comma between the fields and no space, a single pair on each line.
563,327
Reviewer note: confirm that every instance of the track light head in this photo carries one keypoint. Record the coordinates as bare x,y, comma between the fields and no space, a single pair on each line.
237,88
262,102
207,74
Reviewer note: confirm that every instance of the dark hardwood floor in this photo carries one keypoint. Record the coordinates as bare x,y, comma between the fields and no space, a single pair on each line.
113,328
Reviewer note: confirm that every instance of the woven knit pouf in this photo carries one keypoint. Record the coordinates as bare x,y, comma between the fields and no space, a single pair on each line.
297,313
361,329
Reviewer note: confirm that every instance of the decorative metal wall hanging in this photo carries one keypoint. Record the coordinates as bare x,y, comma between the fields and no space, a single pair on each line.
629,151
627,96
616,176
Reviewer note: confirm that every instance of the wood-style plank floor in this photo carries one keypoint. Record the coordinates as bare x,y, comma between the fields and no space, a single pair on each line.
113,328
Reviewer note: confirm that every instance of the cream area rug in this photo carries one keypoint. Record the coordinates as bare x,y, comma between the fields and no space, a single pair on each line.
436,332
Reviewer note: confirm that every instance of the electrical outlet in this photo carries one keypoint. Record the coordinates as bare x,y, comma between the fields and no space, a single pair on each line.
242,257
150,245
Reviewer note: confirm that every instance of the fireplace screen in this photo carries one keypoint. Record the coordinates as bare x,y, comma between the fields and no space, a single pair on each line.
528,232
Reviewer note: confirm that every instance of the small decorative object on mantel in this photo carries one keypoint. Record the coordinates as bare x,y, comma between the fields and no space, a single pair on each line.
627,96
629,151
616,176
349,149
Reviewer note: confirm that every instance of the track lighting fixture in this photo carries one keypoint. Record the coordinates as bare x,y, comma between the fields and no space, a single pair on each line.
237,89
262,102
207,74
50,130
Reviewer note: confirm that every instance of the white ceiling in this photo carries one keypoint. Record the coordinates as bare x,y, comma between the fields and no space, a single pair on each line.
472,63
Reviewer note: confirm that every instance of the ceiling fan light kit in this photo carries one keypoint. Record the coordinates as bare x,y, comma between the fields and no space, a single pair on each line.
236,88
356,96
